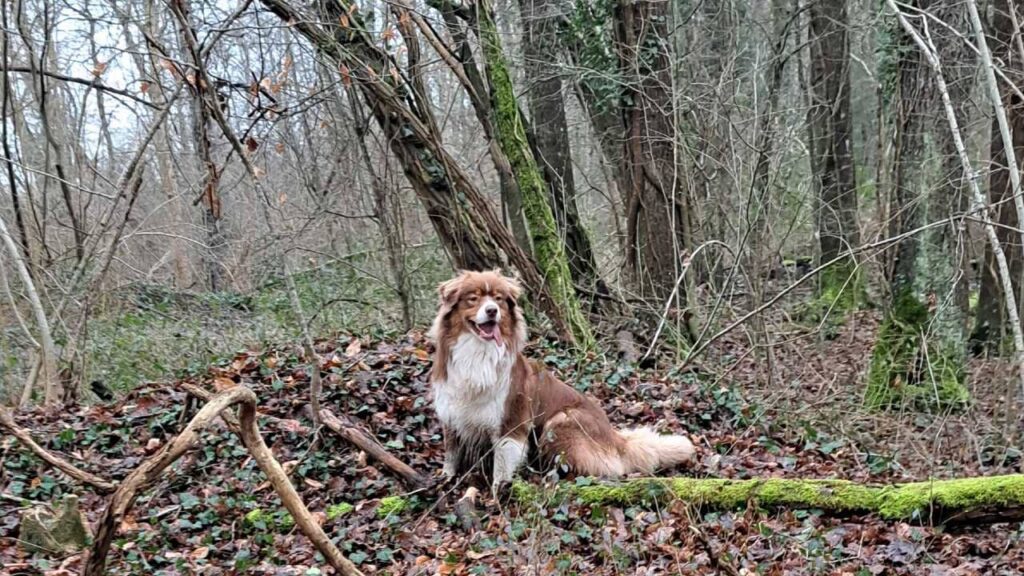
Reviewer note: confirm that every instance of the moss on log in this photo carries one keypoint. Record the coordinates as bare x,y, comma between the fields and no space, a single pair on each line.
941,499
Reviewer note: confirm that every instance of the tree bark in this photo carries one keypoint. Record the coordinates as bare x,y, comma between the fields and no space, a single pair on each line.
830,129
52,392
550,252
19,217
920,350
656,214
477,90
201,124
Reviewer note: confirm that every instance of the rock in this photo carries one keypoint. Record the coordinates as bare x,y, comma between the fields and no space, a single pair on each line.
59,533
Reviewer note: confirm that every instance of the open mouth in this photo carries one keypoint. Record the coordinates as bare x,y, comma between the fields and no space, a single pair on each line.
489,331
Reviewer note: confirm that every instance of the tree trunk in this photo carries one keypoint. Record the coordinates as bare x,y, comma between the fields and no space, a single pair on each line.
477,91
551,135
656,217
201,123
920,350
388,215
831,130
989,325
48,375
469,230
549,250
53,119
12,182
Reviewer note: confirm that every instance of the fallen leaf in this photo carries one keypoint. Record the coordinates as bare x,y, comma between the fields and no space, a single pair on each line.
353,348
221,383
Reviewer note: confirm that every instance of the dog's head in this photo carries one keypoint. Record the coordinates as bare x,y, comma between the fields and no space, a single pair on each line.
484,304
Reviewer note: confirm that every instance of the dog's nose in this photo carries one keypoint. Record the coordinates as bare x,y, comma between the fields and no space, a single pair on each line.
491,310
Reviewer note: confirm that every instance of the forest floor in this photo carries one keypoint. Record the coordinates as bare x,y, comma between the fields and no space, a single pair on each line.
793,413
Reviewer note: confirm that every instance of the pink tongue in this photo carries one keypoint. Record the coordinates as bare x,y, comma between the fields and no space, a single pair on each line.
496,333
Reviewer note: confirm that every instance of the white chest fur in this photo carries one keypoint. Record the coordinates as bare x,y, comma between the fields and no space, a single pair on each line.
471,400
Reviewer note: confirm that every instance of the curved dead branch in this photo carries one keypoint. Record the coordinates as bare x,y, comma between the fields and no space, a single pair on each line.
23,436
150,471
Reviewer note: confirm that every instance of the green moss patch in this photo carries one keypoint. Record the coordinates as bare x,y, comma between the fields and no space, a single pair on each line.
392,506
907,366
894,502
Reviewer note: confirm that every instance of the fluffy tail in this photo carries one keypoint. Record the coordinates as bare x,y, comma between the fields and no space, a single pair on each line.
644,450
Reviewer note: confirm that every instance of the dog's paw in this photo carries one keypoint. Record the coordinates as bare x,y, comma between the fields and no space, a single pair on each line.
501,491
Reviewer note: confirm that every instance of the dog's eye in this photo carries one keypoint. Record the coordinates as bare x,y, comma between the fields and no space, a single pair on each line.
472,298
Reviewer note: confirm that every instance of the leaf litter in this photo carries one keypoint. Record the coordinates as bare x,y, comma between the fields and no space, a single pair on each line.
214,513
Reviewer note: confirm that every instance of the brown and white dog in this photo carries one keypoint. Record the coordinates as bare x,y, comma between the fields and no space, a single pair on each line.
489,397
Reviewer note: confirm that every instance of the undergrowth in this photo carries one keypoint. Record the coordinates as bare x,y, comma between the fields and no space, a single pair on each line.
147,332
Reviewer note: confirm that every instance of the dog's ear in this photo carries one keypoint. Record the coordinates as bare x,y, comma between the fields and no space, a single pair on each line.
448,293
515,290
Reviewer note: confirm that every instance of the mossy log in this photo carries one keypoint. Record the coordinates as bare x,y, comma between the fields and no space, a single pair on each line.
983,499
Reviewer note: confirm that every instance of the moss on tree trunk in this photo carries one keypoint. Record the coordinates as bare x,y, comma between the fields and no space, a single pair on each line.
549,249
920,351
907,364
841,290
937,499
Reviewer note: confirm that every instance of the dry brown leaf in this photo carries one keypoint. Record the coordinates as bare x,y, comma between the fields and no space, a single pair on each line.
221,383
354,347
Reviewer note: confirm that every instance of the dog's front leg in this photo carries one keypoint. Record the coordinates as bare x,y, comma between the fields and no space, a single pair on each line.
509,454
452,454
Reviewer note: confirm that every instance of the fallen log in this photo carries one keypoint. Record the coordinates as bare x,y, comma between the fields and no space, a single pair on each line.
960,500
364,442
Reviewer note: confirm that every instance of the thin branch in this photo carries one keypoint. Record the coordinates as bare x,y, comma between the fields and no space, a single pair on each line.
84,81
151,470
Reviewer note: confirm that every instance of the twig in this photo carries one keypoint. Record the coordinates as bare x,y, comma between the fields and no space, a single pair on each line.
20,500
675,291
95,83
699,349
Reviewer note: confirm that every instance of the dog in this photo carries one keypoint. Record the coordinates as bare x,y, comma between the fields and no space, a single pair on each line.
491,399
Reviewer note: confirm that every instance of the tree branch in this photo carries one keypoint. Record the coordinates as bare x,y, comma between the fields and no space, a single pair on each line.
150,471
95,83
23,435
